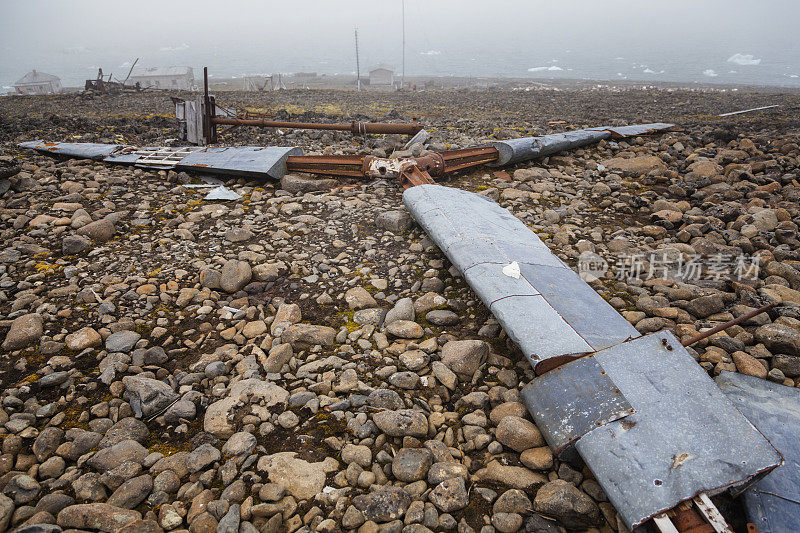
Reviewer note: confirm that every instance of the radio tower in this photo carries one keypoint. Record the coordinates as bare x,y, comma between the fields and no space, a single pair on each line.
403,82
358,66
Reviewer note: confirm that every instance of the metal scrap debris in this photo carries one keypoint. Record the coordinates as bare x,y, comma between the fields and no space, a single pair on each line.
222,193
747,110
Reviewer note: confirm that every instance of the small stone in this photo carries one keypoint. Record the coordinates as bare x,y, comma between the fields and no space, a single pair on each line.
513,476
747,364
309,334
444,375
22,488
302,479
352,518
149,396
100,516
401,423
383,505
567,504
412,464
24,330
405,329
465,357
442,317
99,231
506,522
512,501
359,298
540,458
74,244
122,341
202,457
779,338
450,495
132,492
239,444
394,221
403,310
238,234
361,455
83,338
234,275
518,434
443,471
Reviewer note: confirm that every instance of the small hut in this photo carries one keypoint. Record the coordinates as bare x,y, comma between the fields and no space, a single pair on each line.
38,83
176,78
381,75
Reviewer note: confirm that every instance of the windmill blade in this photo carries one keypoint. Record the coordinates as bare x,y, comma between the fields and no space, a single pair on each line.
771,503
254,161
645,417
528,148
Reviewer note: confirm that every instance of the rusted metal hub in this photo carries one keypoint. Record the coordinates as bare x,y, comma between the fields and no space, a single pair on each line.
409,170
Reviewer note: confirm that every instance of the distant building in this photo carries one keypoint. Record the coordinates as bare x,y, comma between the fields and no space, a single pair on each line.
38,83
181,78
381,75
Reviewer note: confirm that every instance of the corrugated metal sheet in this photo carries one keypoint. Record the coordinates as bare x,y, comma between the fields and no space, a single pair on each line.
772,503
685,437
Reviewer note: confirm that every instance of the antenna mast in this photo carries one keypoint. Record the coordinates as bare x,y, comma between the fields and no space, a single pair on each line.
403,82
358,65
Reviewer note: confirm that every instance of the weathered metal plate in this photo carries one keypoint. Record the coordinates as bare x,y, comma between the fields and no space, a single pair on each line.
79,150
539,331
241,160
773,502
580,306
685,437
490,284
573,399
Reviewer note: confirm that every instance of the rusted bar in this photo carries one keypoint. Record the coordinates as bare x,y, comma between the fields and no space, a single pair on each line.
726,325
455,160
334,165
357,128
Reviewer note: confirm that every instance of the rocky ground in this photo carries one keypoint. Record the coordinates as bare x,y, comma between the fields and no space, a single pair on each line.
305,359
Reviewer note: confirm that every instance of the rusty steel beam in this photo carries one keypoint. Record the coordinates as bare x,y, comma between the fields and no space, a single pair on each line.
333,165
356,128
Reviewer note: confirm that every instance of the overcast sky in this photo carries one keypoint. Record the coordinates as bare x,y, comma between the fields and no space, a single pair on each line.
489,38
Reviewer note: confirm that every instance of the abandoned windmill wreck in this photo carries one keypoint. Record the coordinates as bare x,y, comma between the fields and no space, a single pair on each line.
659,436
